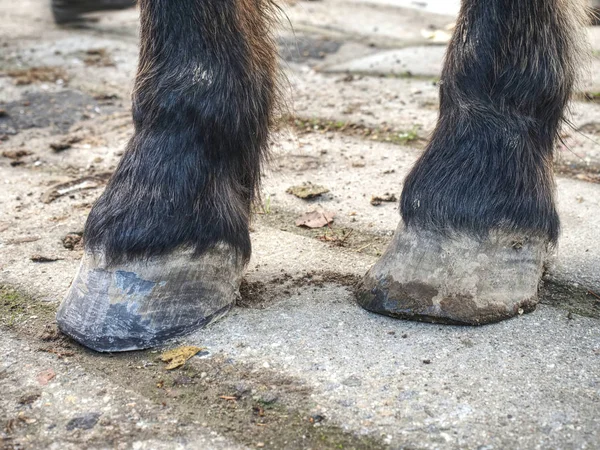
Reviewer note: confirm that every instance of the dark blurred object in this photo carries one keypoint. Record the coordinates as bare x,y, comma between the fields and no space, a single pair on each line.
68,11
595,11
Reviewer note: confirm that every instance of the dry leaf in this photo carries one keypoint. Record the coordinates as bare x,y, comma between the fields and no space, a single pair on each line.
307,190
45,376
177,357
315,219
377,200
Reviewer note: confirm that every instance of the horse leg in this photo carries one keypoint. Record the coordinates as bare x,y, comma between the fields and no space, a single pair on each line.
166,243
478,207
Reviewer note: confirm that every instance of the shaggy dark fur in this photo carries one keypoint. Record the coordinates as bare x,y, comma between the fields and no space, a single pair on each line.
204,95
202,105
507,77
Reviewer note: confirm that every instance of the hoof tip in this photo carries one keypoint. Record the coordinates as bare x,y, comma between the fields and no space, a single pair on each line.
143,304
456,280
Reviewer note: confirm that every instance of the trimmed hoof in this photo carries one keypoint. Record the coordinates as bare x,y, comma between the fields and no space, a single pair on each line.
142,304
455,279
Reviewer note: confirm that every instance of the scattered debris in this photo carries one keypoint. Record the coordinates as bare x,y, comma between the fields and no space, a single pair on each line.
28,399
594,294
104,97
317,418
252,294
44,259
22,240
98,57
177,357
89,182
85,422
16,154
46,74
45,376
65,143
59,353
51,333
378,200
589,177
73,240
307,190
315,219
338,238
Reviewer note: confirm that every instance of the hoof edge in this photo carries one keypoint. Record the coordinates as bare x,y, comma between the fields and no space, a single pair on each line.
459,280
143,304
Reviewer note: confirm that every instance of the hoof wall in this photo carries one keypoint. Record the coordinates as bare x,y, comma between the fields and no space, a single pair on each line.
456,280
143,304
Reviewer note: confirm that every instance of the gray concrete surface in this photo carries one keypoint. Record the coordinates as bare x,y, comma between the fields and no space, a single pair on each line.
322,372
53,403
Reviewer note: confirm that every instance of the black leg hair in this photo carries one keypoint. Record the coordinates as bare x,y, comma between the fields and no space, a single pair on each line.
167,242
478,207
202,105
507,77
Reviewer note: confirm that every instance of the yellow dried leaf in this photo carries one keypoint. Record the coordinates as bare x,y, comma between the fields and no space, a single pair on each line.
177,357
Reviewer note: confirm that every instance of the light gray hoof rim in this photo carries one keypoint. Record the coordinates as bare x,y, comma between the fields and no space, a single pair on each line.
141,305
456,280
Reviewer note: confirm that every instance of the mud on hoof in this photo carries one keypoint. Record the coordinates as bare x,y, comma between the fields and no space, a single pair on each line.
142,304
455,279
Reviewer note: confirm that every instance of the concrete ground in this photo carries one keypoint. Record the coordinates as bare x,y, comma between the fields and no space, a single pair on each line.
297,364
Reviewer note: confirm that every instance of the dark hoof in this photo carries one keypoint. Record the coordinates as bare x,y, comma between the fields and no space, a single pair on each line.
458,280
142,304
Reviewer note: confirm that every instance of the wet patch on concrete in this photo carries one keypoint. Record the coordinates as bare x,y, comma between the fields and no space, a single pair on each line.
58,110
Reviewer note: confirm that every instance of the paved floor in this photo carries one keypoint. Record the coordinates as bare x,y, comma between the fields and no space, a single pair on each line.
297,364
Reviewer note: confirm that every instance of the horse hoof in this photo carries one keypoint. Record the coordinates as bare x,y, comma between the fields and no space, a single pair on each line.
455,279
142,304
